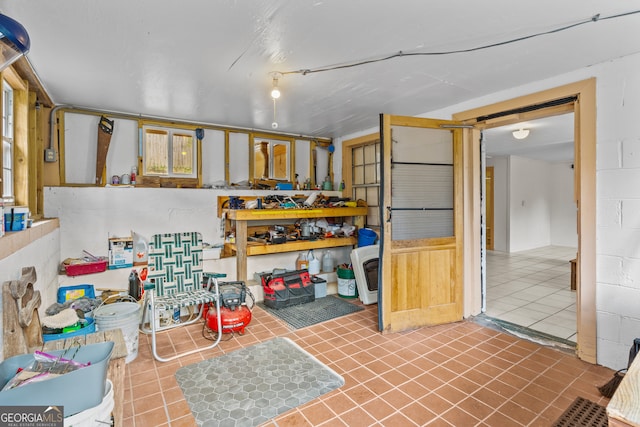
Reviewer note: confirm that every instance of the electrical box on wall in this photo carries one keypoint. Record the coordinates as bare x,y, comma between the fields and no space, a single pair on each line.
49,155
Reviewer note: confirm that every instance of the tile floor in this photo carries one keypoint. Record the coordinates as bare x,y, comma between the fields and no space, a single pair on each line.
462,374
533,289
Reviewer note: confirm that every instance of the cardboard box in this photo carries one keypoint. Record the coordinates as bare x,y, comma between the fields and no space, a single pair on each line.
120,252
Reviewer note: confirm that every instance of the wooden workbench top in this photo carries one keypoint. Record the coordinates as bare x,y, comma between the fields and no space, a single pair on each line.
115,335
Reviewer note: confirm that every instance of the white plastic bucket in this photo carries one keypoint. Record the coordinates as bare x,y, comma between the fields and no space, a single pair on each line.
96,416
123,315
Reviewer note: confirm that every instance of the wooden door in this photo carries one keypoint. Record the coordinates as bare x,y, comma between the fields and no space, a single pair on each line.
489,207
421,246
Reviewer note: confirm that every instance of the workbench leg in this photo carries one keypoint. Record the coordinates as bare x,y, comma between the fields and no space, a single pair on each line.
115,373
241,250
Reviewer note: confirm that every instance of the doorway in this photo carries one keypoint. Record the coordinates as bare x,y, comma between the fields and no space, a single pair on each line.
528,271
521,109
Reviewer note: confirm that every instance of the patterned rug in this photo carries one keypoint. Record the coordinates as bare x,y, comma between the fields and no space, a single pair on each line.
248,387
583,413
322,309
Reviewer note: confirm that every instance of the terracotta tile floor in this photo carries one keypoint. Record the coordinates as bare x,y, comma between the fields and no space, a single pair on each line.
461,374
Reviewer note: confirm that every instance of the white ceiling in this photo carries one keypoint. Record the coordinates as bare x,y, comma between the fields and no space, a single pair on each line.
210,61
550,139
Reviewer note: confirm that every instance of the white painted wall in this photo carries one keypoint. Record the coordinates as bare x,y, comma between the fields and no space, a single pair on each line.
81,134
558,194
529,206
44,255
212,161
564,227
89,216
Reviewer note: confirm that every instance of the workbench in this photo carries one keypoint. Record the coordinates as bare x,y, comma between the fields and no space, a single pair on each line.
240,220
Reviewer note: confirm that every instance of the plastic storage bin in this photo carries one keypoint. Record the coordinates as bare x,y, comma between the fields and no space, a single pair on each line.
66,293
96,416
88,328
86,268
320,286
77,391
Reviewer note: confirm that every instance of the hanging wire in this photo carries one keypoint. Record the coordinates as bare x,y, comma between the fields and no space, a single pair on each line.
274,124
399,54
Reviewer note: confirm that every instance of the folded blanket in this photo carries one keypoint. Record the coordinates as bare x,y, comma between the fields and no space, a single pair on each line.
66,317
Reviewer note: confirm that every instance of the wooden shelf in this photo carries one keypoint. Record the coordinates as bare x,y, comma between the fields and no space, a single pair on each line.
241,218
301,245
270,214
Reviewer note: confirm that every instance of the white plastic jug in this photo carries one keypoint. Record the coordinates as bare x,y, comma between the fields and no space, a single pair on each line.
327,262
314,263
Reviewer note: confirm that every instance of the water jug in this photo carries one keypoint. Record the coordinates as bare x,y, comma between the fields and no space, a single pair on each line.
327,262
314,263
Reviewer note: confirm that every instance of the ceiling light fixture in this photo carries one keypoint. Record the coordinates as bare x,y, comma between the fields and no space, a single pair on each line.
275,90
521,133
14,41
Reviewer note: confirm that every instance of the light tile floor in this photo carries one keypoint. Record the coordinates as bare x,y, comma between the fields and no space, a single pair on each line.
533,289
461,374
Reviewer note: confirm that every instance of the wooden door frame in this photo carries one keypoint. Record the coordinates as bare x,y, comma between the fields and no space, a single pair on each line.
489,207
584,110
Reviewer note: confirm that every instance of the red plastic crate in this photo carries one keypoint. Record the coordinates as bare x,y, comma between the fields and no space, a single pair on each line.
86,268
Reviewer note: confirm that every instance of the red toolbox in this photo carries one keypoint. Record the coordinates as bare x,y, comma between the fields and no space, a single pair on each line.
289,288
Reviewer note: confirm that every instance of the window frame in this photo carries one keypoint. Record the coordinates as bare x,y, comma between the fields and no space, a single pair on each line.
8,138
272,140
171,132
348,148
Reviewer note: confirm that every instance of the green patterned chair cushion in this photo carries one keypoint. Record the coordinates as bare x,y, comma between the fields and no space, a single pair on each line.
175,269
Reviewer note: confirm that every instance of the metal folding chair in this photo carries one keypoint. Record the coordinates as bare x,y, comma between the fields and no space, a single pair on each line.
175,279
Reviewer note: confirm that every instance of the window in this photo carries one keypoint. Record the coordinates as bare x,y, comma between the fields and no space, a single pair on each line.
169,152
365,179
271,159
7,143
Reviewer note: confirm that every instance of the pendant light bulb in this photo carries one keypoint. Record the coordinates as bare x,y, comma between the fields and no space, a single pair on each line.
275,91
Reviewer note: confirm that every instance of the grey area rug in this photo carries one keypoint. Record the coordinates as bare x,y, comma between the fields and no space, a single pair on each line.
248,387
322,309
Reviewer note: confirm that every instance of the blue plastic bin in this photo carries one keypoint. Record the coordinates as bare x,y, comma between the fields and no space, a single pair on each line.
89,328
366,237
66,293
76,391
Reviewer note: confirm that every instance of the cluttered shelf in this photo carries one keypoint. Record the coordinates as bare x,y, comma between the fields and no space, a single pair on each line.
303,245
246,225
268,214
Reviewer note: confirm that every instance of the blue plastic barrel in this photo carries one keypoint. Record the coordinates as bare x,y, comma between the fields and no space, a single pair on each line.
366,237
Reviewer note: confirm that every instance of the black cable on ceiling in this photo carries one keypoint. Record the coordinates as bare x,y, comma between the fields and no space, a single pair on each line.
535,107
400,54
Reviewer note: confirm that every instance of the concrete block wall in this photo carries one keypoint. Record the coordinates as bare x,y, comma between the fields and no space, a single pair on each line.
618,210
